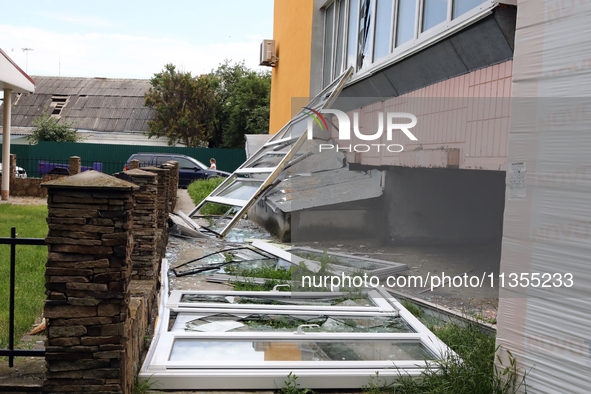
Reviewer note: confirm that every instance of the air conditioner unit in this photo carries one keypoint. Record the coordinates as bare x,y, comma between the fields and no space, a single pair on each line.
267,55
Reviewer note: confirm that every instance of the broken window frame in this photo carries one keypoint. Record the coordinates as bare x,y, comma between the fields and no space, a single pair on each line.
387,267
270,374
176,296
323,100
204,268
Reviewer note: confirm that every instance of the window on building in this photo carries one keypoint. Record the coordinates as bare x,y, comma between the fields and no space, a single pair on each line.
405,28
328,41
352,32
360,33
434,12
58,102
365,36
340,39
383,30
463,6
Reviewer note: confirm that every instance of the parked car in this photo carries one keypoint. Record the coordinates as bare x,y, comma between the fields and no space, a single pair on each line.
189,168
20,172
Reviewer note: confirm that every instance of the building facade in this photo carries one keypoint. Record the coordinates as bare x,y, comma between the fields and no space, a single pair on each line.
447,62
500,91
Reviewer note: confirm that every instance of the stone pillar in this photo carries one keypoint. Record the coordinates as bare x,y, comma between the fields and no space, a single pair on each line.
143,257
173,188
163,207
6,143
75,163
134,164
12,166
87,279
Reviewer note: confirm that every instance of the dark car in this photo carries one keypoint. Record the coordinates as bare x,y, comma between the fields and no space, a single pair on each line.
189,168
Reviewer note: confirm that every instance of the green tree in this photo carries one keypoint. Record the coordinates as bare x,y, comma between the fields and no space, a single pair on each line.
48,128
184,107
242,104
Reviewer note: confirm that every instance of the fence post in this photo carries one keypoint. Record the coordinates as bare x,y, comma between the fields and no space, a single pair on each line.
75,163
134,164
12,166
163,205
87,280
143,256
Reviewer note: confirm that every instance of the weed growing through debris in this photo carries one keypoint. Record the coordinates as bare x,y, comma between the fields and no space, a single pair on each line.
267,286
142,387
29,221
412,308
291,386
200,189
470,370
274,276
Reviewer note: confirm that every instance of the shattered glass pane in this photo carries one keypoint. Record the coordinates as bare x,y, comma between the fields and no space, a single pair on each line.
241,190
345,261
277,300
268,160
219,261
220,322
242,352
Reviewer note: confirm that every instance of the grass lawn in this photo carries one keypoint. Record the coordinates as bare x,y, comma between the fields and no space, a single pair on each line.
29,221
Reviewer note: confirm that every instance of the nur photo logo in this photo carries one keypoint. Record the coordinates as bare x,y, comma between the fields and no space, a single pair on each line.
390,119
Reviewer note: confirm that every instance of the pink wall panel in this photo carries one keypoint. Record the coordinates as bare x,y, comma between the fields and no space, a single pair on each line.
469,113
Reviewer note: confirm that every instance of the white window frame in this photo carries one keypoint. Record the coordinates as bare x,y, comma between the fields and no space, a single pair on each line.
271,374
386,267
421,39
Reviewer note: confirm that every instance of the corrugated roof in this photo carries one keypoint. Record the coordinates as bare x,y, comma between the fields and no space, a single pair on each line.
101,104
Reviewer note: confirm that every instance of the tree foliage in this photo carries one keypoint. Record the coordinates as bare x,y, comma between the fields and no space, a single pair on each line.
242,99
184,107
48,128
214,110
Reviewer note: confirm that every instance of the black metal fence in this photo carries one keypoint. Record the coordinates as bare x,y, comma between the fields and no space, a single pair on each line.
11,352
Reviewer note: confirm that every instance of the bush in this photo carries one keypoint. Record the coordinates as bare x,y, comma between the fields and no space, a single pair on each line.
200,189
48,129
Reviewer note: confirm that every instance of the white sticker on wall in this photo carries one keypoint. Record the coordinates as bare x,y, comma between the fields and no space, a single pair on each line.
516,181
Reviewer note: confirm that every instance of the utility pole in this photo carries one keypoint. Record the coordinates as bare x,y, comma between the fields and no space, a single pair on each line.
26,50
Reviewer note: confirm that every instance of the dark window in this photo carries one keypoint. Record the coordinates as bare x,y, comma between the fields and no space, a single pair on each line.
185,164
143,159
161,160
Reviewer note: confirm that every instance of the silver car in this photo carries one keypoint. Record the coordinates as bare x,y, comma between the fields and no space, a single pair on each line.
20,172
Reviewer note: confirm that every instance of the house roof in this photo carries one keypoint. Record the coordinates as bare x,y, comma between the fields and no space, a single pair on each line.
98,104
